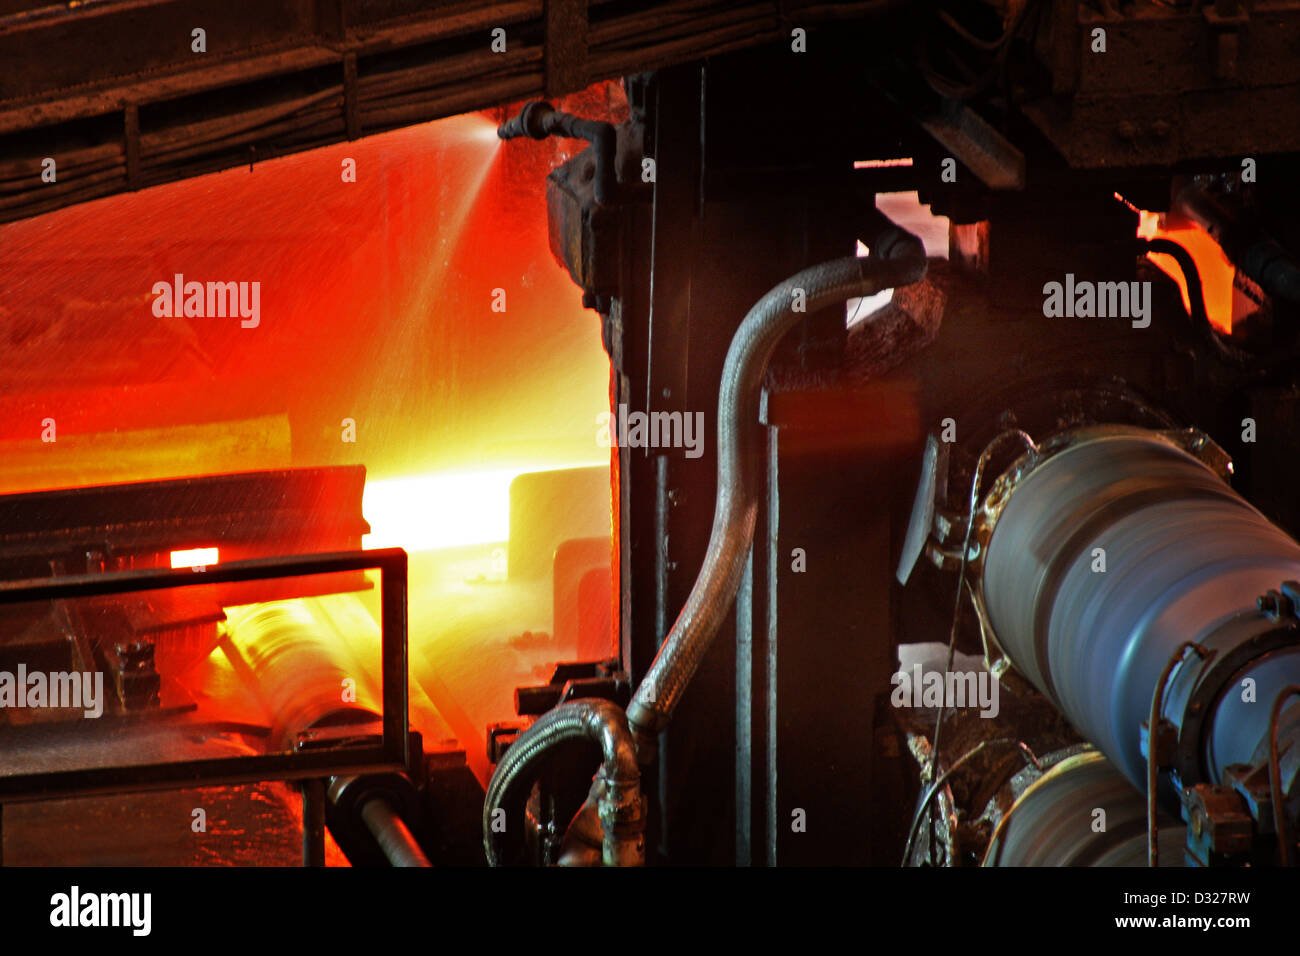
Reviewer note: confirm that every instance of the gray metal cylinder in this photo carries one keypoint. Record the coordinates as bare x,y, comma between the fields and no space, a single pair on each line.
1082,812
1106,558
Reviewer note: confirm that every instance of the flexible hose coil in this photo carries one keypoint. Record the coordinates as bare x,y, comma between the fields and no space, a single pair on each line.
595,720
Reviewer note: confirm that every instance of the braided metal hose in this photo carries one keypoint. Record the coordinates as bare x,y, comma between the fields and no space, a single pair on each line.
621,809
898,261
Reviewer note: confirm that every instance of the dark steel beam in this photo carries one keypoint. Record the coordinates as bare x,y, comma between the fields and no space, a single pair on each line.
277,77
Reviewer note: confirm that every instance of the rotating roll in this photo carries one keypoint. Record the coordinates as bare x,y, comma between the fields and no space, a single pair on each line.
299,665
1082,812
1106,550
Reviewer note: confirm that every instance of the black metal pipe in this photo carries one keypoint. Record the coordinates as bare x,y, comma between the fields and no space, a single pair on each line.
391,833
539,119
886,239
313,822
1221,345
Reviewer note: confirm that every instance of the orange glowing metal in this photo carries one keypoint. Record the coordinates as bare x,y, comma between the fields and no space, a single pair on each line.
882,163
194,558
1216,272
435,511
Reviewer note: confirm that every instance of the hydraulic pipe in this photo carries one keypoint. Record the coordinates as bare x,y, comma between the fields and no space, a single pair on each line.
898,258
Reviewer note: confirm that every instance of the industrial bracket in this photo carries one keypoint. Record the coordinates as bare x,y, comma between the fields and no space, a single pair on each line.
1226,19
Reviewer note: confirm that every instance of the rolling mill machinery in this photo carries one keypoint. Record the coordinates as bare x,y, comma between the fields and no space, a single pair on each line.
947,380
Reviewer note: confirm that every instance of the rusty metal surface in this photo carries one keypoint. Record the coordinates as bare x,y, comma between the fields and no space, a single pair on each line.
119,96
275,78
255,825
987,153
566,46
262,514
1174,83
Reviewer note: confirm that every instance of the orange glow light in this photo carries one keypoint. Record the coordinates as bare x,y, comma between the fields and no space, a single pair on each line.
194,557
1216,271
882,163
435,511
